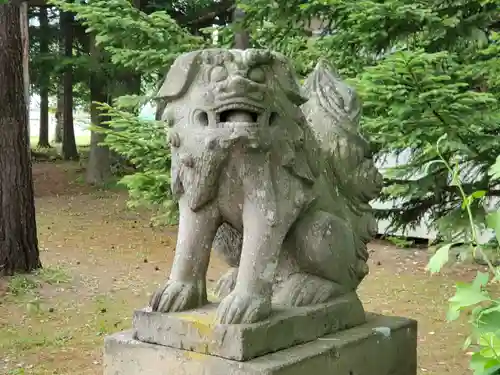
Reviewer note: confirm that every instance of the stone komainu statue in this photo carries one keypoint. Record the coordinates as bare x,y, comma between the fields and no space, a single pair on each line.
274,177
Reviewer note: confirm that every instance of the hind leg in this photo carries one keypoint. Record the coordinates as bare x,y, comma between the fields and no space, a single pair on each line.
227,244
324,258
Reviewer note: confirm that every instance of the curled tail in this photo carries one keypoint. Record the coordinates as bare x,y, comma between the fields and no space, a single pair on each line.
333,112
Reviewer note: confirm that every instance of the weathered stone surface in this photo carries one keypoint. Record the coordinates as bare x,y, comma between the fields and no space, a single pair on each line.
196,330
274,176
382,346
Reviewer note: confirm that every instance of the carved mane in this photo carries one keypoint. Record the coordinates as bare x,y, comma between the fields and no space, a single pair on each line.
333,112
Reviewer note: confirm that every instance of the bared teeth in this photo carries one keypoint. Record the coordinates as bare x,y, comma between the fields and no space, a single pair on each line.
239,116
234,125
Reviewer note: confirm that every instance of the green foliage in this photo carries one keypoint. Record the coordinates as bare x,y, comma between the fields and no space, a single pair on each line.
46,68
478,296
146,43
24,284
21,284
425,97
424,69
399,241
144,144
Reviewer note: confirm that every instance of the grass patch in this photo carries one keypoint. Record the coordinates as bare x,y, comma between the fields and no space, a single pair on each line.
22,284
400,242
113,184
81,140
53,275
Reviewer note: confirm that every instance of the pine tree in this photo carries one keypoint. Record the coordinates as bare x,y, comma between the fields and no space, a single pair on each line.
144,40
424,69
18,237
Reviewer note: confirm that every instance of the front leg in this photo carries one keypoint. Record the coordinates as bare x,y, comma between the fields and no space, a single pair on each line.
250,301
186,286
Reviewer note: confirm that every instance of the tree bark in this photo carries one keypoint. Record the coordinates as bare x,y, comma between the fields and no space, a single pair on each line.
18,235
58,136
25,41
43,137
59,115
99,163
241,36
69,150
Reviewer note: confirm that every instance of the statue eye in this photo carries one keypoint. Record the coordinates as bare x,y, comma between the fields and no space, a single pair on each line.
218,73
257,74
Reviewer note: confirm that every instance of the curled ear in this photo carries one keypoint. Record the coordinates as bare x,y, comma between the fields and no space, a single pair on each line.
179,77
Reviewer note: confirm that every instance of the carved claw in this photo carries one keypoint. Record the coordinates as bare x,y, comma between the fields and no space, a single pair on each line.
239,308
174,139
226,283
177,296
303,290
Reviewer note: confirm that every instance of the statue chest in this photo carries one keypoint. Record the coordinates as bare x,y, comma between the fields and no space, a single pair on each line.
231,195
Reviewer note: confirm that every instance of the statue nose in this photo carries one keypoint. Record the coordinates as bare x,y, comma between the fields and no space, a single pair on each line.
238,85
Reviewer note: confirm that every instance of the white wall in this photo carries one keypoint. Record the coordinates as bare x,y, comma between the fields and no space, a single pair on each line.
422,230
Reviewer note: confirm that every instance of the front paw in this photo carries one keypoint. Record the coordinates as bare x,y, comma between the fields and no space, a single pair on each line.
239,308
179,296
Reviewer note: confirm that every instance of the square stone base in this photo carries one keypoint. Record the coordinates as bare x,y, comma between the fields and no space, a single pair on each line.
382,346
196,331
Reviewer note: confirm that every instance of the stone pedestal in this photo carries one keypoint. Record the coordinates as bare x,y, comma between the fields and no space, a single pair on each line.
381,346
195,331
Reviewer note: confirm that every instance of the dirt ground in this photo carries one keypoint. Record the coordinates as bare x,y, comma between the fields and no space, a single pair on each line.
102,261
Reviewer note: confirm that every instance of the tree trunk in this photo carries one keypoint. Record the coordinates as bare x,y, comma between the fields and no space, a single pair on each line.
69,150
99,163
58,136
18,235
241,36
25,41
43,138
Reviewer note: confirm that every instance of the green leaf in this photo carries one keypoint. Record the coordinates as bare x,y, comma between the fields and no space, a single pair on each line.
453,312
491,345
430,164
488,320
492,367
478,194
468,295
493,222
439,259
480,280
481,365
477,363
494,171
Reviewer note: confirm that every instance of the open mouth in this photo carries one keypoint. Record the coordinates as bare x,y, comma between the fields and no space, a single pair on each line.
236,115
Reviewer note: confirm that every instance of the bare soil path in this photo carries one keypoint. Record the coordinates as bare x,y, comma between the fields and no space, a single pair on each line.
102,261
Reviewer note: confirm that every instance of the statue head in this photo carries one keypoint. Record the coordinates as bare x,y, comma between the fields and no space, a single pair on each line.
231,93
217,98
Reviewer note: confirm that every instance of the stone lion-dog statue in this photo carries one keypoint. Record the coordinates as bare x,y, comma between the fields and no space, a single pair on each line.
273,176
